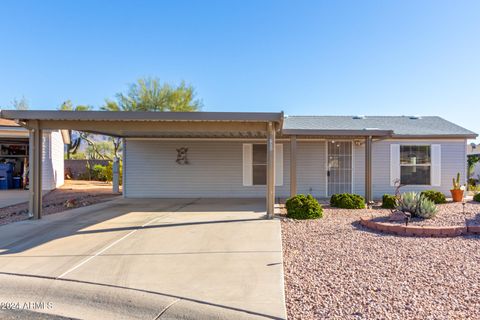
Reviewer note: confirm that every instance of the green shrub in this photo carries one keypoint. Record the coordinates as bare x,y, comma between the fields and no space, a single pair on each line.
347,201
99,173
389,201
103,173
436,196
303,207
477,197
334,199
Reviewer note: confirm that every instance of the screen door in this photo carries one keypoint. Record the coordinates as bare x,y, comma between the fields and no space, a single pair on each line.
339,170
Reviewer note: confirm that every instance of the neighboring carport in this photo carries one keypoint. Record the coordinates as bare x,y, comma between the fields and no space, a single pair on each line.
175,125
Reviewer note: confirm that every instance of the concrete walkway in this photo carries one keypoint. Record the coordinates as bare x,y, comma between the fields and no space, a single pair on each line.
148,259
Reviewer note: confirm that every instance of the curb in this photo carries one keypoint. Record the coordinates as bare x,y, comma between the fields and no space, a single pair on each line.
419,231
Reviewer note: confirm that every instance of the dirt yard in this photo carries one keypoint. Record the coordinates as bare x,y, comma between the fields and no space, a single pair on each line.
73,194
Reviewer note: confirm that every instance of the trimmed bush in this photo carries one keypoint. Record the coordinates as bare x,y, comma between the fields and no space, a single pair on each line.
334,199
303,207
433,195
477,197
347,201
389,201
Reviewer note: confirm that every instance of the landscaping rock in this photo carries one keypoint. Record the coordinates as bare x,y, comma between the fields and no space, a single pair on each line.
336,269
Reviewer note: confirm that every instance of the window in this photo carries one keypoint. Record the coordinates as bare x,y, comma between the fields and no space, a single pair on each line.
415,165
254,161
259,164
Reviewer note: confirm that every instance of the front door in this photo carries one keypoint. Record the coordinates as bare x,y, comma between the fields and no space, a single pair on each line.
339,171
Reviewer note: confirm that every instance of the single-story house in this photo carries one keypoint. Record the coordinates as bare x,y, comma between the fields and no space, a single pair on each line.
222,154
14,150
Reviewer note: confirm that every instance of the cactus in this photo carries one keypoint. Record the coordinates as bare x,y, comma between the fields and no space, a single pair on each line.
426,208
456,183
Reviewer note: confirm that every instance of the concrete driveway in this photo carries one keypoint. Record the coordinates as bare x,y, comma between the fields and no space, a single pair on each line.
11,197
146,259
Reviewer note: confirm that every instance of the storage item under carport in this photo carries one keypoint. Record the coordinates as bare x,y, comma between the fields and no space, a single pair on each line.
6,171
17,182
3,183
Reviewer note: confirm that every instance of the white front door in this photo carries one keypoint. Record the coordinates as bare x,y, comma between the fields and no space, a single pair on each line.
339,167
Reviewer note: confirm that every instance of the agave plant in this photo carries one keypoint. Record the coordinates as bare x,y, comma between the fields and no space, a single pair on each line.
417,205
426,208
408,202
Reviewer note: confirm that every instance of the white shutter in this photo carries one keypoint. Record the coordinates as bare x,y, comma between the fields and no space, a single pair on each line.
436,169
247,164
279,164
394,163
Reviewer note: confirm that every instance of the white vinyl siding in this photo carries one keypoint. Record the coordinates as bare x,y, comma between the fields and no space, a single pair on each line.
394,164
358,158
52,160
436,175
216,169
312,168
279,165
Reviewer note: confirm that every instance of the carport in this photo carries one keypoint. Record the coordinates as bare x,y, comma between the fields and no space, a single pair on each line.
232,126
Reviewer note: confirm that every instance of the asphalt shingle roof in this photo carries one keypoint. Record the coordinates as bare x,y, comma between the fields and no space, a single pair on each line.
401,125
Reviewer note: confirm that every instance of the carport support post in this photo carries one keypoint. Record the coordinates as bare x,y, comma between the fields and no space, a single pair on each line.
116,175
368,169
293,166
270,170
35,172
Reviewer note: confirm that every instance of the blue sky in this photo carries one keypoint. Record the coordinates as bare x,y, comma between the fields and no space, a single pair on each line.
319,57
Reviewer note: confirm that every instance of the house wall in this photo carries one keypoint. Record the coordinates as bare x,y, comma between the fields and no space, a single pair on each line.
216,168
311,168
52,160
453,160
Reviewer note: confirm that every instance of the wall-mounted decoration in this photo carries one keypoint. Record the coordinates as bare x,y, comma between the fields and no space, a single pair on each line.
182,156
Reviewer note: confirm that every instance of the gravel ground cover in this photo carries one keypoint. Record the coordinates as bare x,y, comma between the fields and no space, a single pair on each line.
448,214
78,193
336,269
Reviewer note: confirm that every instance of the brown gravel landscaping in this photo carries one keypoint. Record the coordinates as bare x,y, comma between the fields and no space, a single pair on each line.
336,269
73,194
448,214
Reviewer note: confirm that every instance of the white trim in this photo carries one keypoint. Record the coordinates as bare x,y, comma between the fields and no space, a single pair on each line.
466,162
353,167
395,168
326,168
